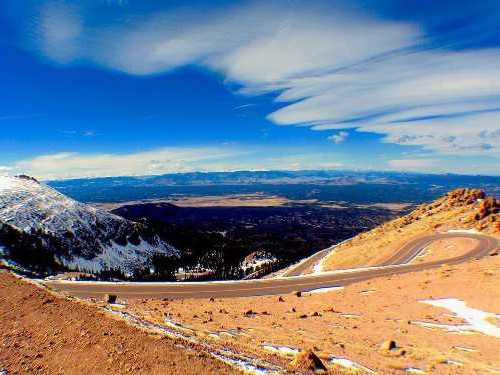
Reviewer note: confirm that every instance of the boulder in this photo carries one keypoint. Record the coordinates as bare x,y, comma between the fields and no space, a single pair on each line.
308,361
110,298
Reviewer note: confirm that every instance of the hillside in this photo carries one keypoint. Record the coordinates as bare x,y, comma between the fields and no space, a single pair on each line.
47,334
44,231
432,321
444,320
461,209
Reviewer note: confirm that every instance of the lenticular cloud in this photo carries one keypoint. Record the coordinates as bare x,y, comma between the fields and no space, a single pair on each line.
333,67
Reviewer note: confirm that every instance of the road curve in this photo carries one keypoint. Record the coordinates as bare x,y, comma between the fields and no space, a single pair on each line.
299,268
397,264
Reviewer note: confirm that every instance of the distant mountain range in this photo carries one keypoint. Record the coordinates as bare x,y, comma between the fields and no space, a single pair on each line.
43,230
350,186
328,177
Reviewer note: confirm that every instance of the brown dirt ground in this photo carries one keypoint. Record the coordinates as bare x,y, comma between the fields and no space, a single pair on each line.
46,334
317,321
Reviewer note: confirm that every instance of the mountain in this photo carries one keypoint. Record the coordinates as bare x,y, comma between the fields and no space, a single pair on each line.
326,186
45,231
462,210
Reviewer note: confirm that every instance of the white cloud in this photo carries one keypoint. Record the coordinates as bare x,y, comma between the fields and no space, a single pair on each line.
334,69
305,42
73,165
420,99
171,160
339,137
5,170
60,28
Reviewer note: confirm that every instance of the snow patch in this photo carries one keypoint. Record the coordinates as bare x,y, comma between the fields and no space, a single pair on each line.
351,316
347,363
7,183
477,320
324,290
318,267
233,333
465,349
454,363
172,324
244,365
414,370
240,361
471,231
447,327
257,261
115,256
282,350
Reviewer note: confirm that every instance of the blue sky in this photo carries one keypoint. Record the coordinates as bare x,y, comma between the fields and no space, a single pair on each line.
123,87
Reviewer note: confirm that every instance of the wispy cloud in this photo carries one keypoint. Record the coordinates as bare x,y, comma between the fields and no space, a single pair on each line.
79,133
20,117
335,68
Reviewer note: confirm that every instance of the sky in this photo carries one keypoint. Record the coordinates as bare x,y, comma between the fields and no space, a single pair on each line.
123,87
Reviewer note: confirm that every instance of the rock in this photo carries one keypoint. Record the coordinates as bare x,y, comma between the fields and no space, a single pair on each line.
388,345
390,348
308,361
298,294
110,298
281,299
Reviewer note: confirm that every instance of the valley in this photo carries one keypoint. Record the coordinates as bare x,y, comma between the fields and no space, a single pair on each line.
219,238
332,286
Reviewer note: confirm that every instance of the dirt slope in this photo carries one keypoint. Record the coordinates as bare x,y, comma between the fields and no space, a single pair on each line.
353,323
466,209
45,334
354,326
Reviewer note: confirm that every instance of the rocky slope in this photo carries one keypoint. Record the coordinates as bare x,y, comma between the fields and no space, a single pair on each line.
461,209
45,231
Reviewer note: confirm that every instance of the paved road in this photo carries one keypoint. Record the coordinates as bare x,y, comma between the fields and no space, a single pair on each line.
304,265
396,265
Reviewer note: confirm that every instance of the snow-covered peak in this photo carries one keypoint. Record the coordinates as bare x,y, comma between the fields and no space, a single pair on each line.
78,234
25,204
8,183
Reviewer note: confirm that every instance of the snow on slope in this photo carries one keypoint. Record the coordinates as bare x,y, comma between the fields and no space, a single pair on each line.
87,237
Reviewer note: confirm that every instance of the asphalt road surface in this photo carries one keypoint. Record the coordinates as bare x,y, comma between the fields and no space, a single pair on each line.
397,264
306,264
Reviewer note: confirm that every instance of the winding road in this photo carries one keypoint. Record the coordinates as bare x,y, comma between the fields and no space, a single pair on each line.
399,263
